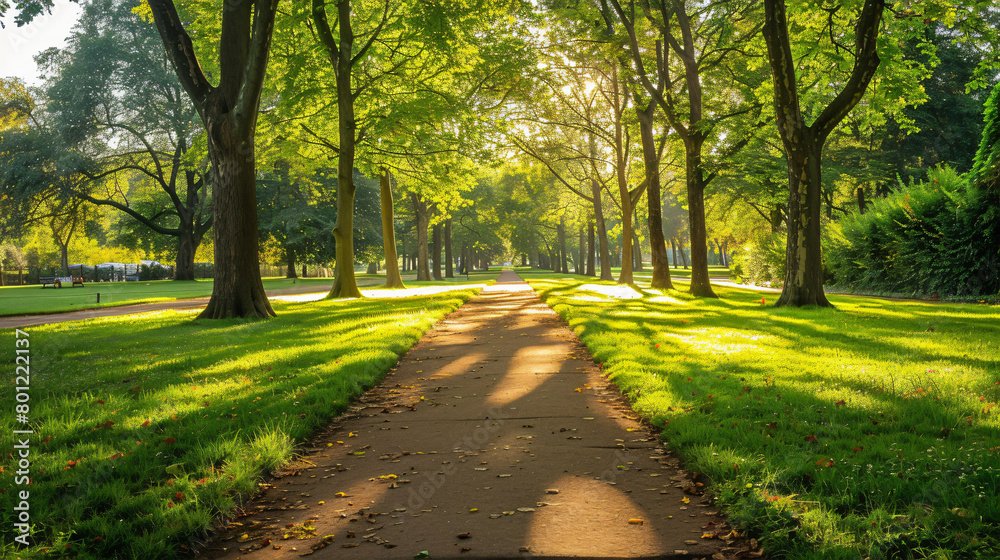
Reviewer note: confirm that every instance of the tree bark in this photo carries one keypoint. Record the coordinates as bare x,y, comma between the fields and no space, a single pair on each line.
229,113
561,231
590,249
804,144
187,246
618,97
602,231
436,251
449,263
290,263
862,203
392,277
636,252
651,158
581,262
700,283
423,218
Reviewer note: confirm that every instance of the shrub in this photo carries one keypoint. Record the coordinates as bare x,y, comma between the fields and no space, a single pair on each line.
934,237
761,260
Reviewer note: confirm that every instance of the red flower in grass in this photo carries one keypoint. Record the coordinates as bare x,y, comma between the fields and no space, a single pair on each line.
179,496
811,439
170,441
146,423
840,403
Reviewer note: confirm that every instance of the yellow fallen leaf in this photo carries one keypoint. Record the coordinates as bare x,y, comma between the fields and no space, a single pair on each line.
352,434
321,502
635,521
387,476
340,495
473,510
578,390
685,500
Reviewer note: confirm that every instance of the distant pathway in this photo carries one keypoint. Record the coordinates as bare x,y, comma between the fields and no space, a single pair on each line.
495,437
19,321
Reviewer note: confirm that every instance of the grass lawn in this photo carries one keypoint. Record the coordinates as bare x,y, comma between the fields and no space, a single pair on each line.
146,429
27,300
869,431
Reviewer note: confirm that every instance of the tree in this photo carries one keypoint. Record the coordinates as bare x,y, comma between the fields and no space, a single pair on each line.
702,38
228,112
803,142
114,100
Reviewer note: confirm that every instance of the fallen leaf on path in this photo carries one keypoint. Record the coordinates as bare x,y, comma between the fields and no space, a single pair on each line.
635,521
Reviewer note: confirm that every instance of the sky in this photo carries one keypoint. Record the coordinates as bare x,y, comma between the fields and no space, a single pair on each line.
18,45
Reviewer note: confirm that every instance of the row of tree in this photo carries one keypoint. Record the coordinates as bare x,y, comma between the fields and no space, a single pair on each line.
613,116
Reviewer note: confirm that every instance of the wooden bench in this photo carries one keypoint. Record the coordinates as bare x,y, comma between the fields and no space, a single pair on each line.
77,282
46,280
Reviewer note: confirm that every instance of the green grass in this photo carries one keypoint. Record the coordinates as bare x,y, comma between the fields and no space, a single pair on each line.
869,431
29,300
25,300
146,429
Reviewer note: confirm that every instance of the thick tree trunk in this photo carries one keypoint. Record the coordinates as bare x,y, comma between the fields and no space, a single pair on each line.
436,251
372,268
449,262
290,263
803,255
423,218
237,290
700,284
651,158
862,203
804,144
590,250
392,277
581,262
684,255
187,246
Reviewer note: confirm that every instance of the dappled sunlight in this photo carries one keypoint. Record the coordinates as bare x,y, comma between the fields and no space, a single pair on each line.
722,341
667,299
617,291
382,293
580,519
516,384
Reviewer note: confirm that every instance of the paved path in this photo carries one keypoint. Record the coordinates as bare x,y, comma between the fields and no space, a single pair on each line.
495,437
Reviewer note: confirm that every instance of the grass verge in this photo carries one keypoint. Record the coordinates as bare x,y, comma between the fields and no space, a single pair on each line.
868,431
146,428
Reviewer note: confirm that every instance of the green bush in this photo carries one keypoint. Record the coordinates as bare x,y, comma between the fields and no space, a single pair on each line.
761,260
938,237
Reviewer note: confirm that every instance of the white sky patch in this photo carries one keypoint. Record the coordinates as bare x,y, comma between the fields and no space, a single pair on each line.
19,45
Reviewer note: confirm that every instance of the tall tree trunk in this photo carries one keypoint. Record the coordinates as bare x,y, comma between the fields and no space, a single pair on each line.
636,252
229,113
618,99
392,277
673,248
561,231
436,250
804,144
581,262
423,218
651,157
700,283
862,203
590,249
602,230
290,263
449,263
684,255
237,290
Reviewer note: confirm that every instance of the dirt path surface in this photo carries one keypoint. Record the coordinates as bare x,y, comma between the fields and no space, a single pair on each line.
496,436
